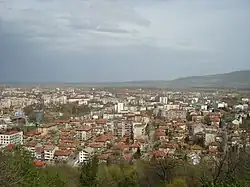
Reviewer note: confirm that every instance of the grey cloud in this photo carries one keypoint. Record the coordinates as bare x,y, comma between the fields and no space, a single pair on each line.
64,20
59,40
98,27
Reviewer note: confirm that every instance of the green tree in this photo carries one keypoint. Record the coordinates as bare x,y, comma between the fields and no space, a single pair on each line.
189,117
118,175
167,132
54,180
17,170
88,173
178,182
137,154
207,120
28,110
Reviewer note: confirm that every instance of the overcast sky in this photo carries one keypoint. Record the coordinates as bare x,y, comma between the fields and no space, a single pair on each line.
121,40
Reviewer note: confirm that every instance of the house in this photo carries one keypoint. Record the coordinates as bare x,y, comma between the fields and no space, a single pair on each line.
196,149
161,135
96,146
31,147
193,158
39,153
159,154
103,140
84,133
213,147
134,147
168,148
46,128
103,157
62,155
176,114
99,126
49,151
122,146
39,163
139,130
84,155
209,138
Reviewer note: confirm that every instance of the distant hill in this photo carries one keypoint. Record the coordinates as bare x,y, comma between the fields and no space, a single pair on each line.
236,79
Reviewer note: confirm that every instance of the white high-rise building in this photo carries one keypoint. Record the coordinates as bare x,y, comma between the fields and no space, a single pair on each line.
163,100
120,107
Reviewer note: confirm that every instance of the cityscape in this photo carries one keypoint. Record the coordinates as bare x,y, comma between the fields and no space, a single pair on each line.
124,93
71,125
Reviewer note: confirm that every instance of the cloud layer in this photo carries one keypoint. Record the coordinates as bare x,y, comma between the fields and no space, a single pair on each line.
116,40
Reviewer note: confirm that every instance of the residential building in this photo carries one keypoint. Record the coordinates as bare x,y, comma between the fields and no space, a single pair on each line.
11,137
83,133
163,100
49,151
83,156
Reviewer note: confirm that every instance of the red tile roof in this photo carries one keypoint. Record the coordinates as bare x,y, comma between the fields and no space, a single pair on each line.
39,149
160,132
158,153
61,121
30,144
62,153
84,128
101,121
103,156
10,132
39,163
168,146
95,145
10,147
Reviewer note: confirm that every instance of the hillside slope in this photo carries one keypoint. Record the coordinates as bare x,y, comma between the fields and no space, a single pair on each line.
237,79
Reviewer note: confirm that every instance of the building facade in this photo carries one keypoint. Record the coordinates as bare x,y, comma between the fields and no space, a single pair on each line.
11,137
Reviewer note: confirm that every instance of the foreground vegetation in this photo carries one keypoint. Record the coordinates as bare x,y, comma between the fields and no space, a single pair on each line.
17,170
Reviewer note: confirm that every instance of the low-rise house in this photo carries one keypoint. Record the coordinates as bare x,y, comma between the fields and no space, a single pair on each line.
31,147
161,135
104,139
196,149
46,128
213,147
103,157
176,114
209,138
134,147
196,128
62,155
194,158
39,163
95,146
168,148
159,154
39,153
84,133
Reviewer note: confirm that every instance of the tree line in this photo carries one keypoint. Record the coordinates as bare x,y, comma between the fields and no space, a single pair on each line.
230,170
